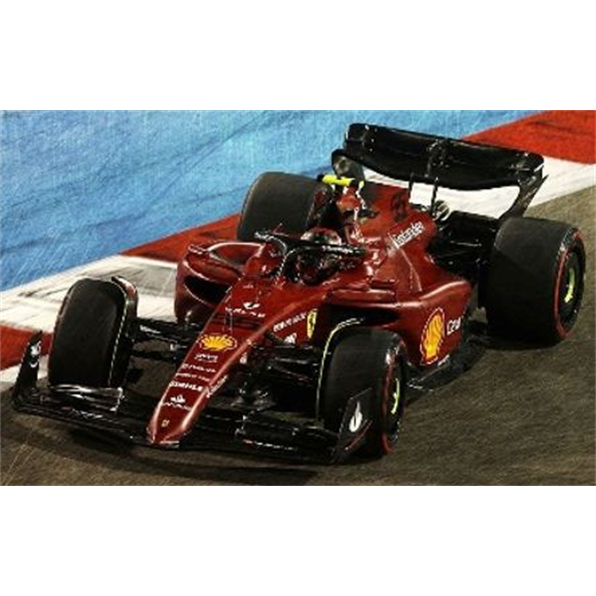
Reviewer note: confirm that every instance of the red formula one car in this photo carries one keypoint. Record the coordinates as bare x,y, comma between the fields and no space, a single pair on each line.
339,301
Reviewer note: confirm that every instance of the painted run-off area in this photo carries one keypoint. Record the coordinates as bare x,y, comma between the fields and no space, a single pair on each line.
79,186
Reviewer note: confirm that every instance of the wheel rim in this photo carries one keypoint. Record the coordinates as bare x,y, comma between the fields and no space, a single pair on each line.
570,291
394,402
394,408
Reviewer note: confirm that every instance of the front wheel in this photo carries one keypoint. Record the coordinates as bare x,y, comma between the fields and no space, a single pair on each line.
93,334
368,363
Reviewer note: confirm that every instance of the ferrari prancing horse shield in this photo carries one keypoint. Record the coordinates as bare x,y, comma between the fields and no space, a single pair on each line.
311,323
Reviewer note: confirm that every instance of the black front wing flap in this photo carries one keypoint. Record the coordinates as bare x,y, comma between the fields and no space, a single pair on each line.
124,415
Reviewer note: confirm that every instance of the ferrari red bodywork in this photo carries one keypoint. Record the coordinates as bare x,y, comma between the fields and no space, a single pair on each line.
397,284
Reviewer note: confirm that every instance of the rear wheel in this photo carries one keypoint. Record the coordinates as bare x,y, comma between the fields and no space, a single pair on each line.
536,280
93,334
294,202
367,359
345,167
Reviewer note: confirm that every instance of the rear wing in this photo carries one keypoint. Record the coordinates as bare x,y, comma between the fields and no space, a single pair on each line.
443,162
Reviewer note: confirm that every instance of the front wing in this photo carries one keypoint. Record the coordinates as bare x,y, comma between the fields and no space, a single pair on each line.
124,415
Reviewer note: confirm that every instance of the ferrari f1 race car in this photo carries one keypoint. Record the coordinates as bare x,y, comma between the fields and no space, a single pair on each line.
340,301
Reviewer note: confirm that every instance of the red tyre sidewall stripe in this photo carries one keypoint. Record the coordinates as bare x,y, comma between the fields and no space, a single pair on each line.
576,239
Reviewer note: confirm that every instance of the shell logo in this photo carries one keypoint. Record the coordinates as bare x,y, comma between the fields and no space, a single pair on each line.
433,337
217,342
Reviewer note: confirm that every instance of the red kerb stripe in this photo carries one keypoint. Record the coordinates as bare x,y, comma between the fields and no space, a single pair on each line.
568,135
13,343
174,247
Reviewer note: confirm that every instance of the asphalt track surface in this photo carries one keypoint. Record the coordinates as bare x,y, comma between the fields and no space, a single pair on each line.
522,416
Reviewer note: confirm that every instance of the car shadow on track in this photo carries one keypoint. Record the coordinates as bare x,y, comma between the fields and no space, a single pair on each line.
116,462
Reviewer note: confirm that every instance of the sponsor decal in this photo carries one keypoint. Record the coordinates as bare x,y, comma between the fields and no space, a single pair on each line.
193,375
291,339
357,419
34,355
240,312
251,306
177,403
187,375
290,322
310,318
454,326
217,342
198,368
218,385
184,385
211,359
433,337
311,323
409,234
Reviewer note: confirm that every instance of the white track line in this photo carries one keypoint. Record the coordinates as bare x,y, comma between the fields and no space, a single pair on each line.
8,377
36,304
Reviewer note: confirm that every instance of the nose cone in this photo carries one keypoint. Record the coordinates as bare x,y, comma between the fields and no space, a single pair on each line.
174,417
203,373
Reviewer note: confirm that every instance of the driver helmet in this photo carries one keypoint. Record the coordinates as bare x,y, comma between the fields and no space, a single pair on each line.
314,268
323,236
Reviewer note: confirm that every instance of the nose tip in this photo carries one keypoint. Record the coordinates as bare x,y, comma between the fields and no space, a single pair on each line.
163,440
163,433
